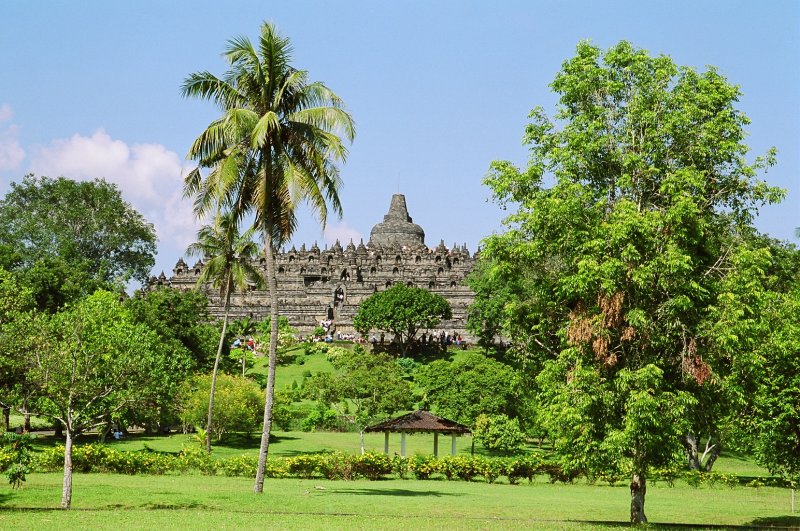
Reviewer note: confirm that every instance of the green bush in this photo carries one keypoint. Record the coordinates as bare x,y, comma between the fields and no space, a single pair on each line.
320,418
241,466
423,466
315,348
498,433
238,403
372,466
195,458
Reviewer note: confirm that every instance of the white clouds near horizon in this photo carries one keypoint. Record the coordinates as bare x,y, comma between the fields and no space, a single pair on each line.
11,152
150,177
342,232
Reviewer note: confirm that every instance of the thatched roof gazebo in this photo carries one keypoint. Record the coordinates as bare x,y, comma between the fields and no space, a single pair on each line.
419,422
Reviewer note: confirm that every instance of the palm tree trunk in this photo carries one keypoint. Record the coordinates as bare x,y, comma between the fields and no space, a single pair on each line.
216,363
272,283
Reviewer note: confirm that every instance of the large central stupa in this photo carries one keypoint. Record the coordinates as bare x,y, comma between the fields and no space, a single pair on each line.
397,227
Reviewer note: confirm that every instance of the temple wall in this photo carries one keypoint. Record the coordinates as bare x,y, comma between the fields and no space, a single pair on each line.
308,281
315,285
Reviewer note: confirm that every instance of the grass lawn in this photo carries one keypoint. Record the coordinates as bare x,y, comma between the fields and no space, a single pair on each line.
282,443
149,502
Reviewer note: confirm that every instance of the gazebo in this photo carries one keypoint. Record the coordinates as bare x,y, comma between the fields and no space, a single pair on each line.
419,422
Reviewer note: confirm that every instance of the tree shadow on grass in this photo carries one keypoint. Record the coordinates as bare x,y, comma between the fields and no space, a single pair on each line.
786,521
394,492
243,441
662,525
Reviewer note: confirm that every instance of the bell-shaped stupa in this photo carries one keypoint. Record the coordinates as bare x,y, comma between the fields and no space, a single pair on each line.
397,229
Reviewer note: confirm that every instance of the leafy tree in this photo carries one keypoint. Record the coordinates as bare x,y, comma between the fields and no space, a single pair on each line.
499,433
755,325
402,311
18,466
91,361
237,405
181,320
228,266
367,386
86,225
468,386
277,144
16,321
625,218
776,411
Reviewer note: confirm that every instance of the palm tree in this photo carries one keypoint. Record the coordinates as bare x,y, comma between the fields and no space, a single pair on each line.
277,144
229,265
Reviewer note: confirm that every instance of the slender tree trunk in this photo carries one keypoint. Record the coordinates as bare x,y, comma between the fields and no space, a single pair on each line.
712,457
27,415
216,364
638,491
362,441
272,283
690,445
6,418
66,490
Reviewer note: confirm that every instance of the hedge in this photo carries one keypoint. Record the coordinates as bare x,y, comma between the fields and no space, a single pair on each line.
333,465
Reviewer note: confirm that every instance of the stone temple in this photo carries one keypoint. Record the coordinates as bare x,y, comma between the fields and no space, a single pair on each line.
328,285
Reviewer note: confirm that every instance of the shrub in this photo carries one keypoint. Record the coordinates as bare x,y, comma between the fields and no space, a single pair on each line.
499,433
372,466
320,418
237,404
241,466
423,466
315,348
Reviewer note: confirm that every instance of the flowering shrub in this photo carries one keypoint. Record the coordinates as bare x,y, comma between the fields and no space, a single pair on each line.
329,465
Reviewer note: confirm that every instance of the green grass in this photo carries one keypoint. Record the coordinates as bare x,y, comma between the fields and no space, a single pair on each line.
281,444
288,372
103,501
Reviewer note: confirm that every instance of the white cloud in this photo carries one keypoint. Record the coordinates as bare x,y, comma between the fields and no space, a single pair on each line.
149,175
11,153
5,113
341,231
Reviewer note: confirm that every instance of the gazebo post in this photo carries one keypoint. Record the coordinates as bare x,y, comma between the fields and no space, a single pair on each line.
453,449
386,442
435,444
402,444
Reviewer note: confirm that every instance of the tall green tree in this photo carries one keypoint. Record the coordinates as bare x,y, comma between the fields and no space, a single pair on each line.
90,361
228,266
17,316
626,215
471,385
83,231
182,321
402,311
277,144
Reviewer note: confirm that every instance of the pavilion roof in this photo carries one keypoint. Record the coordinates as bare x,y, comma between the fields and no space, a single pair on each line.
419,421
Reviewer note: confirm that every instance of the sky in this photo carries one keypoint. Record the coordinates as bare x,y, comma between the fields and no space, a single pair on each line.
438,90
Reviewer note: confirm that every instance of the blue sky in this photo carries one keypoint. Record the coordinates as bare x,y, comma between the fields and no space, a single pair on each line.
438,90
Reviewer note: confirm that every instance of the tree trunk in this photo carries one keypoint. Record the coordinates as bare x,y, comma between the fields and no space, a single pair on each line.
272,282
362,441
6,418
216,364
27,415
690,445
713,453
638,491
66,490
